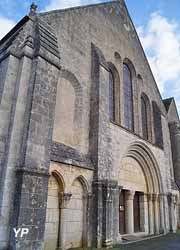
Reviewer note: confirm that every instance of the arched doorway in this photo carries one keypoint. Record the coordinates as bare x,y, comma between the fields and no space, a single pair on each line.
53,212
141,206
133,181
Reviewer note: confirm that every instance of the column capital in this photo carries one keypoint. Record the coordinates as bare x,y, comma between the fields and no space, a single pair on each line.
172,198
64,198
155,196
143,197
161,196
130,194
149,196
90,195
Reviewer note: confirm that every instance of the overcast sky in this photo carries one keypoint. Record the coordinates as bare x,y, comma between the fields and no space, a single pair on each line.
157,22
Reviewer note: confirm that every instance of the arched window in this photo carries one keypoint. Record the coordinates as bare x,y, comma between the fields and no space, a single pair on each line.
144,118
128,98
158,135
111,97
114,93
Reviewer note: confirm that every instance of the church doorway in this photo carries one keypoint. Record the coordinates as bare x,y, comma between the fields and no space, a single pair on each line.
123,212
137,212
139,176
122,223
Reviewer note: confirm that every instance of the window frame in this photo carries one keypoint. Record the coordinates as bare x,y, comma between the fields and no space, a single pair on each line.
128,98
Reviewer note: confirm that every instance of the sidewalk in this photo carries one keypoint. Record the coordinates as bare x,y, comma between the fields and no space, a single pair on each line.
168,242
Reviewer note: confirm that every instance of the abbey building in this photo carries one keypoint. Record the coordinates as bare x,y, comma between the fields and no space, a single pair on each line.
89,150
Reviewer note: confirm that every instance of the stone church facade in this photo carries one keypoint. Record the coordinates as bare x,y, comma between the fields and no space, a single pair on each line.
89,151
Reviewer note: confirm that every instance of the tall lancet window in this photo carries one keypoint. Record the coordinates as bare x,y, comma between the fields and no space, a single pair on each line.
158,135
128,98
111,97
144,118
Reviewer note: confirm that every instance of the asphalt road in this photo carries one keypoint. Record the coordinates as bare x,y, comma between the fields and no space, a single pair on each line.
168,242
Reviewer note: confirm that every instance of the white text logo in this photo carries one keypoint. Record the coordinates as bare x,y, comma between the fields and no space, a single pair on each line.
20,232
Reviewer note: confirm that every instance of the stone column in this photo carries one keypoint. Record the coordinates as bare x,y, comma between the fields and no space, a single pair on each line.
150,213
172,211
89,214
97,211
103,212
107,215
64,199
116,234
162,221
156,212
175,212
144,213
130,212
178,214
87,225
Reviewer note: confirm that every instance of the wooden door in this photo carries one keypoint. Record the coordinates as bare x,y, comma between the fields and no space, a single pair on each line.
122,228
136,212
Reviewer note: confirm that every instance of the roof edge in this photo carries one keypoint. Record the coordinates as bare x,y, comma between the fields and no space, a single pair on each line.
171,100
167,102
78,7
15,28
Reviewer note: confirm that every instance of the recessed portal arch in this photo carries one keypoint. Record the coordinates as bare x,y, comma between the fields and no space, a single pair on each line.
140,179
146,160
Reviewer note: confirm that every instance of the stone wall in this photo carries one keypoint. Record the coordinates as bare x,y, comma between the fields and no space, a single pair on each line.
88,49
75,186
75,39
27,103
87,151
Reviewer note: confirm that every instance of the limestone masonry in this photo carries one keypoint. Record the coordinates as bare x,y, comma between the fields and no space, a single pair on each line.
89,151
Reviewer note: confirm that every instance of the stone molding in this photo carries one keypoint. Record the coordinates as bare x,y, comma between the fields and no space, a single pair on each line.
35,172
64,154
155,197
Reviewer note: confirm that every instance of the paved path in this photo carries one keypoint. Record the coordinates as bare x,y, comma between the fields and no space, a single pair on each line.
168,242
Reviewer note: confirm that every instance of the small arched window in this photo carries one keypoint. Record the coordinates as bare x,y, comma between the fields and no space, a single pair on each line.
144,116
158,135
128,98
111,97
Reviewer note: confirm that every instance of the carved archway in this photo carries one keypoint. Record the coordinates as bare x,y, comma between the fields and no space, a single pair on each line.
145,179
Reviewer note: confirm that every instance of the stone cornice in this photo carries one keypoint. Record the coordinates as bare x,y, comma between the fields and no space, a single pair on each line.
64,154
